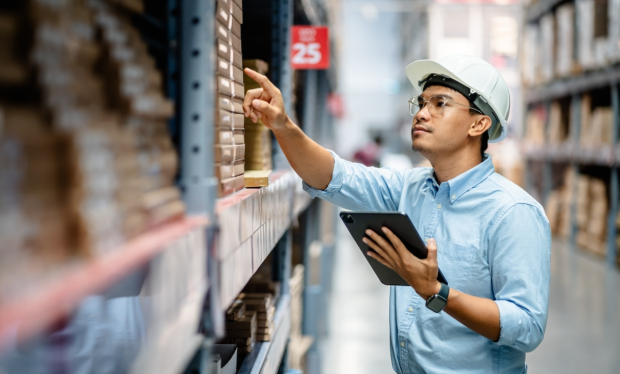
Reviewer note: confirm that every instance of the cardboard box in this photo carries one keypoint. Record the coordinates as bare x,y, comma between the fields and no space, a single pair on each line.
613,31
224,16
547,33
224,171
228,70
257,178
565,16
239,151
225,51
238,183
585,33
223,137
228,120
226,187
257,65
230,88
234,105
233,9
224,154
239,136
227,36
238,167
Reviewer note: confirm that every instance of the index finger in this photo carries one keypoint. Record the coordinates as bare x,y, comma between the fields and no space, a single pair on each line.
263,81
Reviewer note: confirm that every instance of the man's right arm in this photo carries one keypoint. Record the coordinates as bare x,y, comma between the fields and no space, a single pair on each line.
313,163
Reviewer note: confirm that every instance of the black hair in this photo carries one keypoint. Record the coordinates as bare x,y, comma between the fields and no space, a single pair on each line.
457,87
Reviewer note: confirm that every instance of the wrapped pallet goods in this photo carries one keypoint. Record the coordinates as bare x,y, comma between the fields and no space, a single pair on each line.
530,56
585,33
547,47
565,34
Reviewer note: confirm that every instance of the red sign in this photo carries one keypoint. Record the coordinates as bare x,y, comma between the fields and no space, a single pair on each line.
310,47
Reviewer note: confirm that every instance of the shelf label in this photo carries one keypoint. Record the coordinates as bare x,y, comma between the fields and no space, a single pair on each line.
310,47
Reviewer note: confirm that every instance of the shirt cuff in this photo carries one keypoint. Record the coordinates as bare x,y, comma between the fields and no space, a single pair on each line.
334,185
510,322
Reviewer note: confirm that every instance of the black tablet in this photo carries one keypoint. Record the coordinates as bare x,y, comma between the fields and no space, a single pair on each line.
399,223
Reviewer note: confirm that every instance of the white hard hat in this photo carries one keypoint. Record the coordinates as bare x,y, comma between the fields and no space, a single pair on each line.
484,86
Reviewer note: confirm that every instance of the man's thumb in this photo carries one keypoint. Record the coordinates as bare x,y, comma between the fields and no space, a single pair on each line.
432,249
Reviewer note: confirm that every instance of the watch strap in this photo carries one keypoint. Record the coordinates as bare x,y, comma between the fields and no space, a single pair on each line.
444,291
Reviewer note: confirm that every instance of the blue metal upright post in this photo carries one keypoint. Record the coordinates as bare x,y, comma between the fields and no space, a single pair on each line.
197,103
281,73
613,185
575,126
547,169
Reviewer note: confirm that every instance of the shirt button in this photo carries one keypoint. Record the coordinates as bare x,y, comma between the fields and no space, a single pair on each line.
410,309
402,344
453,197
438,206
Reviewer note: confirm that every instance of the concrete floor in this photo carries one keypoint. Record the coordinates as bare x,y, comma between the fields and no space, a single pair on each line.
583,331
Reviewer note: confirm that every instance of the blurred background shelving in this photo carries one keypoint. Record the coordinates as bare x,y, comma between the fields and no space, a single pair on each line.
127,231
570,72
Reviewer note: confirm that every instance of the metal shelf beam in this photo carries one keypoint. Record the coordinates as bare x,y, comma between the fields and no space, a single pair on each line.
573,85
536,10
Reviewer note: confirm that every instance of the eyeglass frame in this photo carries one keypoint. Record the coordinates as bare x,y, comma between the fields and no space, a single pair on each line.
427,101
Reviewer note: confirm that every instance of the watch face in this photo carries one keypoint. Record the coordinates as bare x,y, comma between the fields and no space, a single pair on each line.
436,303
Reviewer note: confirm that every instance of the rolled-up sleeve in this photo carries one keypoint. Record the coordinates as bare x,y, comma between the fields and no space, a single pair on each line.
358,187
520,269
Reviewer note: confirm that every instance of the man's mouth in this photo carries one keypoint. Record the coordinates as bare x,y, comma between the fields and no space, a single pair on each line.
417,129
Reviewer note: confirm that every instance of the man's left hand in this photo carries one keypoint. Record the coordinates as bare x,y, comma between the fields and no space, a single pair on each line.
419,274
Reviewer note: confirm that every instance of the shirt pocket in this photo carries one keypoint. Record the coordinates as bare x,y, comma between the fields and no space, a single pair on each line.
455,262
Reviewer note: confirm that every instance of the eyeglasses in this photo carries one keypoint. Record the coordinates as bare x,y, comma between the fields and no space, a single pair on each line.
437,104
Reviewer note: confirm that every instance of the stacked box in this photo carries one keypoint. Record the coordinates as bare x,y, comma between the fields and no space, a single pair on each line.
596,124
229,121
241,327
558,206
257,135
299,344
585,33
535,125
556,130
592,206
565,16
613,30
547,50
530,55
34,222
86,157
263,305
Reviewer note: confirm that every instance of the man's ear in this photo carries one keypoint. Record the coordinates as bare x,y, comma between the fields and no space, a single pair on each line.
481,124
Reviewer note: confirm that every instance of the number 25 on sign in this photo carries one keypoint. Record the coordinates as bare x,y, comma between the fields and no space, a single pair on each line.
310,47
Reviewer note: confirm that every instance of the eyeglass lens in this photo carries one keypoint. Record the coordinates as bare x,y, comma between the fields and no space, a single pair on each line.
437,104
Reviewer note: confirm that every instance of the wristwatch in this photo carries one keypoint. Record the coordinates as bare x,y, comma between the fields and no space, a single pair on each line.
437,302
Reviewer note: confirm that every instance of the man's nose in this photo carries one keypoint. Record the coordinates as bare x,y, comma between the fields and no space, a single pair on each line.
422,114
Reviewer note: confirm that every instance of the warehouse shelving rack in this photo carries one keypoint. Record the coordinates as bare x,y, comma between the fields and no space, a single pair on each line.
180,34
570,152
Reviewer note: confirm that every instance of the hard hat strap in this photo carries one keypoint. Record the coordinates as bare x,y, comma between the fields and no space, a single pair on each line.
476,99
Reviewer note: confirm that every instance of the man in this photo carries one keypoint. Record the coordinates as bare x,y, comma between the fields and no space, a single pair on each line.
489,237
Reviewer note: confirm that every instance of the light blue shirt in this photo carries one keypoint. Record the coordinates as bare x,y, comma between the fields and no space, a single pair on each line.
493,242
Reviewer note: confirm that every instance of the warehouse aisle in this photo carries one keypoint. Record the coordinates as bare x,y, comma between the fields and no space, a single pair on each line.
359,336
583,331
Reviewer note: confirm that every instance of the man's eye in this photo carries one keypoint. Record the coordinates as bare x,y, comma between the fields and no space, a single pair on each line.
440,103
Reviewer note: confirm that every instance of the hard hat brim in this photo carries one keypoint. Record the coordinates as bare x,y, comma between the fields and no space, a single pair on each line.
417,71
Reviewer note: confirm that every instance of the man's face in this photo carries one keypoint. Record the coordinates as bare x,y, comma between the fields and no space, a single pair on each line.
434,135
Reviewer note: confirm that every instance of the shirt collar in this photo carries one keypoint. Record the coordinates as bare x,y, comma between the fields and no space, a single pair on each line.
471,178
465,181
